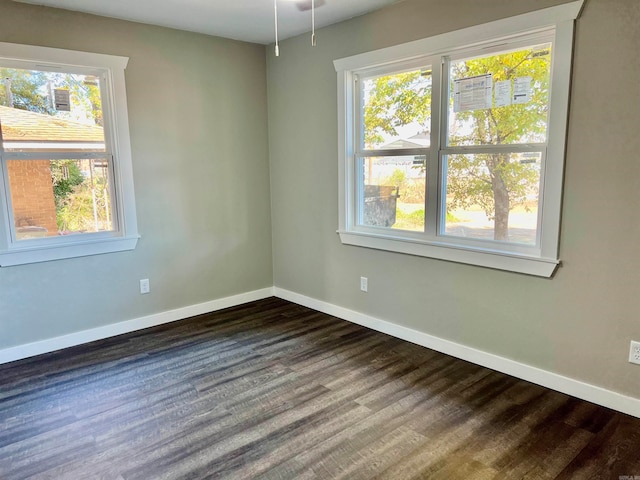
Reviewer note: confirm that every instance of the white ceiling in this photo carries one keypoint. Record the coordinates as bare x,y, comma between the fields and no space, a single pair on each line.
248,20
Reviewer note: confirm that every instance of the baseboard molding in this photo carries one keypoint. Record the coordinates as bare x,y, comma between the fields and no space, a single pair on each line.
50,345
570,386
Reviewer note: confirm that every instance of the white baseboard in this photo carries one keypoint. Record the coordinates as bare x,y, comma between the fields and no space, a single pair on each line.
50,345
570,386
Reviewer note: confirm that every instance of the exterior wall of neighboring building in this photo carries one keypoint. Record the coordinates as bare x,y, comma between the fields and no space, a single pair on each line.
32,196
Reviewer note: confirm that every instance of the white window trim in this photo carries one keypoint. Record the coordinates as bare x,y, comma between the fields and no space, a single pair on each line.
125,236
542,263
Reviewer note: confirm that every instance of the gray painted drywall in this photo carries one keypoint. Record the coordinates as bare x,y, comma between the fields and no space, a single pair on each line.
198,120
577,324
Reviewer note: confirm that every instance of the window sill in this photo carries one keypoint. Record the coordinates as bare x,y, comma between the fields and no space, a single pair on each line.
536,266
80,248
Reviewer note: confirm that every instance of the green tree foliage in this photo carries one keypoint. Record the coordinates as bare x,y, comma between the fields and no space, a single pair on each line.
26,90
30,90
92,89
397,178
497,182
65,175
84,93
393,101
83,204
85,209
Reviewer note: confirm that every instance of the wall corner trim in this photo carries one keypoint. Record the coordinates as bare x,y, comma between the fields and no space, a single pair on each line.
57,343
554,381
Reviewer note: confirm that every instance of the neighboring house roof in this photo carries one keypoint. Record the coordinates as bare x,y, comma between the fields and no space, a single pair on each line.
420,140
402,143
24,127
423,138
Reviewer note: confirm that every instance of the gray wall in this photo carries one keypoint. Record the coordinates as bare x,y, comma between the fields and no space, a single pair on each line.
577,324
198,117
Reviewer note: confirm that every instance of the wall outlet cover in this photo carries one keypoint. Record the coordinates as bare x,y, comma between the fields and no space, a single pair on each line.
144,286
634,352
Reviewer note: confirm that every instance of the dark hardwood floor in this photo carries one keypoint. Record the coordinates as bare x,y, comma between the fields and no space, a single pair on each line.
272,390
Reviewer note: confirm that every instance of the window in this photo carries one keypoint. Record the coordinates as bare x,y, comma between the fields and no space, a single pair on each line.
453,147
67,187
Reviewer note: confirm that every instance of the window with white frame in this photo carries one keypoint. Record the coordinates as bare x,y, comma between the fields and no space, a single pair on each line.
453,147
67,186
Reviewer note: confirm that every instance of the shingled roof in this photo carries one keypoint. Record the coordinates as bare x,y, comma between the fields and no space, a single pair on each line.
25,127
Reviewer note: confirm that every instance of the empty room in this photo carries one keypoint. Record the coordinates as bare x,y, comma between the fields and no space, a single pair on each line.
319,239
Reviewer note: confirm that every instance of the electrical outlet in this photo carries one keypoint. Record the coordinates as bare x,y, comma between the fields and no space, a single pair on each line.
364,284
634,353
144,286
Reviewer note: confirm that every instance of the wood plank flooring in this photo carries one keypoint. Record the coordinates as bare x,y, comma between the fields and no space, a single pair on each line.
272,390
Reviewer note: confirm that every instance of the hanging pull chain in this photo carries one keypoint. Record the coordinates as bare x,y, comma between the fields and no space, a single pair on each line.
275,14
313,23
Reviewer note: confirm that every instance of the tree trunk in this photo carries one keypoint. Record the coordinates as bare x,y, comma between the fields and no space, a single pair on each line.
8,92
501,203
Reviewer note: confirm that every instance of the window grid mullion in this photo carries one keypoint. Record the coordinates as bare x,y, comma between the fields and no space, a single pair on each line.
503,148
396,152
432,193
358,133
443,111
50,155
5,201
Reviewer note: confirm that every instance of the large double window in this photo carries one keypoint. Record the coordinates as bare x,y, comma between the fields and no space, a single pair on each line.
453,147
66,185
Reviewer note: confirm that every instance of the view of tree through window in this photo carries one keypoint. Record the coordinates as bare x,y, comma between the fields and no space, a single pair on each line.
496,132
492,190
58,170
397,117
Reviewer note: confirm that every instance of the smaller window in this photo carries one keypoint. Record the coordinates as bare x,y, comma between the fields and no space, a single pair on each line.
64,147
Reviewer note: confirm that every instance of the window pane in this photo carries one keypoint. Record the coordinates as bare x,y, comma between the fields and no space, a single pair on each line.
493,196
397,110
50,111
59,197
393,192
501,98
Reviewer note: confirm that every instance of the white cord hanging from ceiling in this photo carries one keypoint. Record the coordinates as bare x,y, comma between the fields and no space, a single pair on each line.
275,12
313,23
302,5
